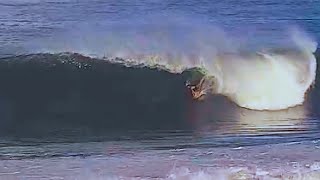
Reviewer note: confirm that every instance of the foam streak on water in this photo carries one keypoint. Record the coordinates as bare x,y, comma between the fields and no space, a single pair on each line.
284,161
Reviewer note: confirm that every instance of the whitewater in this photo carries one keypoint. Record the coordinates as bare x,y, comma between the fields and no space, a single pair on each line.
266,80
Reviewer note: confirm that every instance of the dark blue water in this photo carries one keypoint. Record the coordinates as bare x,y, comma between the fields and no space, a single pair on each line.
73,116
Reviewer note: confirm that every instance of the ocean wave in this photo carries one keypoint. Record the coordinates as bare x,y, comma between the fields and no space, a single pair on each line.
69,87
258,81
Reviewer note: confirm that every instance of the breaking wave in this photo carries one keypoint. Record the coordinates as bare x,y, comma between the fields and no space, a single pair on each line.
270,80
252,77
70,88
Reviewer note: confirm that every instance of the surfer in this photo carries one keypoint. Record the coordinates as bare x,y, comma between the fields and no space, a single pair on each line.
199,82
198,91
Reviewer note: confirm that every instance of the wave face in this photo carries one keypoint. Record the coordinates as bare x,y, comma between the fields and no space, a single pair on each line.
44,93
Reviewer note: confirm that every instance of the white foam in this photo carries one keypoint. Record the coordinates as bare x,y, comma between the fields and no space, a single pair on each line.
266,81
